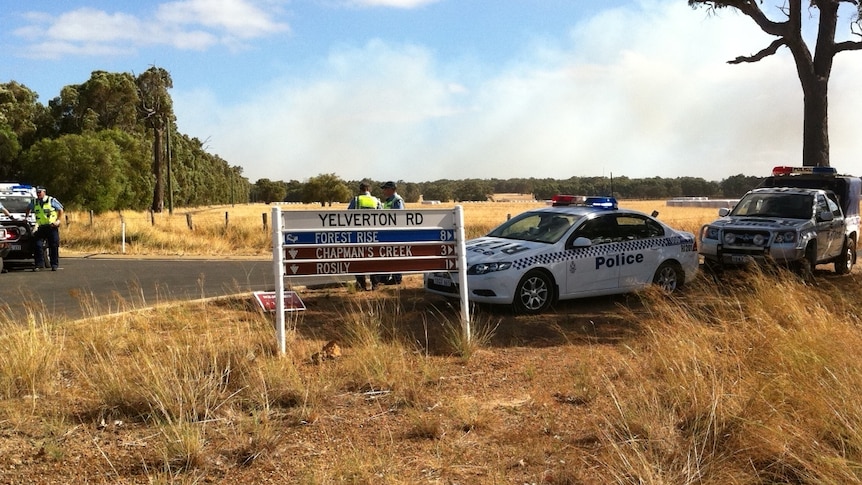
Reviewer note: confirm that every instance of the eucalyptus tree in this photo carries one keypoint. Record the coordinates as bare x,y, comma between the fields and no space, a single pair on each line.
155,110
326,188
105,101
22,121
84,171
813,68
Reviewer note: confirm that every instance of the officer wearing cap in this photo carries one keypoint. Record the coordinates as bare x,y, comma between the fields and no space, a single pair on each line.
48,212
391,200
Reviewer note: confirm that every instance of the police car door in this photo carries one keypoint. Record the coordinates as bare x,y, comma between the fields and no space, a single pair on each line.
641,249
592,269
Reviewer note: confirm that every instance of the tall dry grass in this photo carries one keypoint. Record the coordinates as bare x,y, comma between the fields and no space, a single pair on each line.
753,379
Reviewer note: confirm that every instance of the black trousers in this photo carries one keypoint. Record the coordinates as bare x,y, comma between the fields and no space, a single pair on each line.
48,235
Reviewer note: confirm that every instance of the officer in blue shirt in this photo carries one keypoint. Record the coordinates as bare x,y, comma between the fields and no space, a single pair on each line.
391,200
49,213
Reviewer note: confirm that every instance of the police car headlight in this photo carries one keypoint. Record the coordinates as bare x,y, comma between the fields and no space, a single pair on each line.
759,240
484,268
711,233
785,237
729,238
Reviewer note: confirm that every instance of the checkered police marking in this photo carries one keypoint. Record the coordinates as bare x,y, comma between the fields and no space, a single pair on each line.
548,259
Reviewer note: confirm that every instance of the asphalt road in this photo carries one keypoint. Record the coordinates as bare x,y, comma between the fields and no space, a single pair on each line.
90,286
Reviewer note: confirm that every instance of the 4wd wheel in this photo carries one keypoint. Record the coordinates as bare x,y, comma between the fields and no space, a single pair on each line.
805,266
534,293
669,276
844,263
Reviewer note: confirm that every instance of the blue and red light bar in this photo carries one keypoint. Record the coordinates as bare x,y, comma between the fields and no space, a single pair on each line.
597,202
785,170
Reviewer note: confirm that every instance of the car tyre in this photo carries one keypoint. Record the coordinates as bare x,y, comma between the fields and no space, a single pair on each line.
534,293
805,266
669,276
844,263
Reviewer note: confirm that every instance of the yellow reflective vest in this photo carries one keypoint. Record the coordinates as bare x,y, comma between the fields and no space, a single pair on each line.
44,211
366,201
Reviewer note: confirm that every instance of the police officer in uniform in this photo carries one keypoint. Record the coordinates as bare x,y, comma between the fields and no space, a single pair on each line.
364,200
48,212
391,200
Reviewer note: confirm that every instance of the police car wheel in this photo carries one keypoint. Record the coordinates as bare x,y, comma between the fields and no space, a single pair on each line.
534,293
668,277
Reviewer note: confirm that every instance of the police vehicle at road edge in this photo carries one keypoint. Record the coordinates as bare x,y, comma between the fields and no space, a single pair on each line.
571,251
17,239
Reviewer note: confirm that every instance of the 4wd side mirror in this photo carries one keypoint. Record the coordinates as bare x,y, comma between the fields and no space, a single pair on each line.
825,216
723,212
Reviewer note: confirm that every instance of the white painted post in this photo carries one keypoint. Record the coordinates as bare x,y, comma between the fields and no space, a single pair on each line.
123,236
278,271
462,271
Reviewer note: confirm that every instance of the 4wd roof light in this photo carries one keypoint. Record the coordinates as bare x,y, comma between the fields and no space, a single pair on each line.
16,189
784,170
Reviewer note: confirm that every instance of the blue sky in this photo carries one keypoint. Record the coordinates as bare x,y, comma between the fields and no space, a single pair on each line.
420,90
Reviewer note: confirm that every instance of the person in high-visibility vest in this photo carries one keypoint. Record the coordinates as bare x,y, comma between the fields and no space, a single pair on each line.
48,212
364,200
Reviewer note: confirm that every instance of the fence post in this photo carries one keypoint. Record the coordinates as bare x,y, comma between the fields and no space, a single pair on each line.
225,219
189,221
91,217
264,221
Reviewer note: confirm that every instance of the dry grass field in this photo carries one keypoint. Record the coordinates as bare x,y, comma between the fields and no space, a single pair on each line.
748,379
245,229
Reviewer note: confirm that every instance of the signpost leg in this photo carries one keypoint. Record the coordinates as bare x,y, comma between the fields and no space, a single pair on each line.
462,271
278,271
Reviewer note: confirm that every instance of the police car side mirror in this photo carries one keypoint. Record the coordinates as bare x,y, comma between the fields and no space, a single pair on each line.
826,216
723,212
581,242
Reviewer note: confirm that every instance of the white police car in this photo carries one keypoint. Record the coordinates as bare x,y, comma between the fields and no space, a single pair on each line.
571,251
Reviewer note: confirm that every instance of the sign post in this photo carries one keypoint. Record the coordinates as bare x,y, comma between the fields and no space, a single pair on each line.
352,242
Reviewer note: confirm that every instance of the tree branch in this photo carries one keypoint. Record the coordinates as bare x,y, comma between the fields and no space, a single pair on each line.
848,46
771,49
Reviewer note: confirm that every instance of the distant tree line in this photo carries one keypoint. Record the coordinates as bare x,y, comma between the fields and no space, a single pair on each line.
329,188
111,143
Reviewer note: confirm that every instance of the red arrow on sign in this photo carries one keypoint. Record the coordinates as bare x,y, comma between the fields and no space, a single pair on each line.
361,251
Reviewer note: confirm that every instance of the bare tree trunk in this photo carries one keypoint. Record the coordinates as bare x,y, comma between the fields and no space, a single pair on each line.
815,125
159,189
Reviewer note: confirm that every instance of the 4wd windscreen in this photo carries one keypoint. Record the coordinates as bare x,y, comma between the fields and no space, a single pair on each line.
15,204
789,206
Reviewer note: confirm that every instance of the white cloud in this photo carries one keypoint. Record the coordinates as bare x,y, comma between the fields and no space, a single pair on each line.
185,25
237,17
